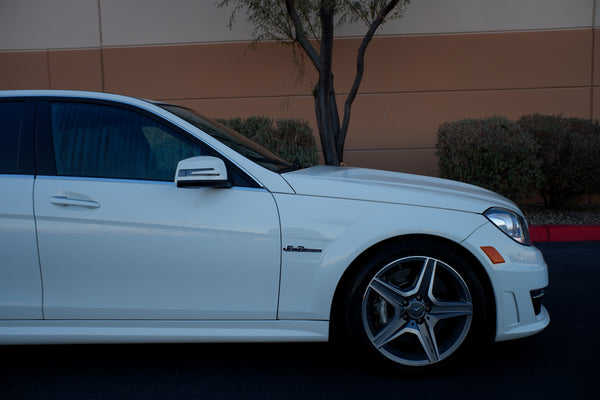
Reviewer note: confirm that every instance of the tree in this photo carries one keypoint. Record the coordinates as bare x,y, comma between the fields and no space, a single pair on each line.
309,25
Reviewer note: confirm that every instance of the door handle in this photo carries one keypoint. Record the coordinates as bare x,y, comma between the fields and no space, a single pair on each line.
65,201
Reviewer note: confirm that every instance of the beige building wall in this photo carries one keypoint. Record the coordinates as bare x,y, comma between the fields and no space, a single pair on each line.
443,61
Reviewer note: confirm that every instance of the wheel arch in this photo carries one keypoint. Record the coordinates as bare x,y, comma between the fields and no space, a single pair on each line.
337,327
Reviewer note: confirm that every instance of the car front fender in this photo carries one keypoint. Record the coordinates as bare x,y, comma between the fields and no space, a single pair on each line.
322,236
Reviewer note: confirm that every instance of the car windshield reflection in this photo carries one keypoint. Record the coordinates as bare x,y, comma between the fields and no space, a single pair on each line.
232,139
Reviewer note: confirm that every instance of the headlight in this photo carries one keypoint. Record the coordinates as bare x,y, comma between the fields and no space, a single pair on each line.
510,223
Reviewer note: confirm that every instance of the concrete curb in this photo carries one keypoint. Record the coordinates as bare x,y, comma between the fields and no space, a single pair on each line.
564,233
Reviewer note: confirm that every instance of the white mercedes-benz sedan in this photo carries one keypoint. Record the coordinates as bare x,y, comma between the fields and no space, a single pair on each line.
125,220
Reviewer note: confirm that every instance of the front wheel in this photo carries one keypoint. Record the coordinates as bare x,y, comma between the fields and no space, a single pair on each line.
417,304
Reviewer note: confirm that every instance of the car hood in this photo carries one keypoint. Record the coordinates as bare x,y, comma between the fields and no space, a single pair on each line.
394,187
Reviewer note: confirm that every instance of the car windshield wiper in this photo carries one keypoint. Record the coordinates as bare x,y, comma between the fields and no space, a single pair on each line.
287,167
260,159
291,168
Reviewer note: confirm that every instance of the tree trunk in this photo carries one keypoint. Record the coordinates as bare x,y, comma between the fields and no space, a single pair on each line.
331,132
360,68
325,102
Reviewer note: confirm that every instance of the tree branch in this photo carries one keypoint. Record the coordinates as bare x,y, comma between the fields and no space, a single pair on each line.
301,34
360,67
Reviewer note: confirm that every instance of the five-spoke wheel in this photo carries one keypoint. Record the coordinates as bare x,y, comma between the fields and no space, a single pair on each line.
417,305
417,310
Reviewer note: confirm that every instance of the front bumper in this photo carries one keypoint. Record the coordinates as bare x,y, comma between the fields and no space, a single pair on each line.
518,283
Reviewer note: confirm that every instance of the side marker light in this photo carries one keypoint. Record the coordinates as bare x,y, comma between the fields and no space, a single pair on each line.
492,254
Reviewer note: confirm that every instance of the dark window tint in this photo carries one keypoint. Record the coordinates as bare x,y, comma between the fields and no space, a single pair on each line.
102,141
11,124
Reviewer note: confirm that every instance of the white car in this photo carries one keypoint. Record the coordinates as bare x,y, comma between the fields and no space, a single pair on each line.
125,220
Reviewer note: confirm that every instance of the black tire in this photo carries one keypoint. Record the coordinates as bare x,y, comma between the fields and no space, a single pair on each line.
417,304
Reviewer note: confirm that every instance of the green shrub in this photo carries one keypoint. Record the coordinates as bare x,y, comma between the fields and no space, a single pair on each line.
291,139
494,153
570,155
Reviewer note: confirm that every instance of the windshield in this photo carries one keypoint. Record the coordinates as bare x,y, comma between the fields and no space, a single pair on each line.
232,139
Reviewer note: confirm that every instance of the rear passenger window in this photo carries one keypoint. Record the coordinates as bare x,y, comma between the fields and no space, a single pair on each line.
11,124
94,140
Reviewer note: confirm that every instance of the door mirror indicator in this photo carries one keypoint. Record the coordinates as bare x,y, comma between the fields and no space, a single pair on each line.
204,171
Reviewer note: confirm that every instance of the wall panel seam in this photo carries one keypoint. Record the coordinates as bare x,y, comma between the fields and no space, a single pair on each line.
413,92
390,149
102,75
249,42
593,60
48,69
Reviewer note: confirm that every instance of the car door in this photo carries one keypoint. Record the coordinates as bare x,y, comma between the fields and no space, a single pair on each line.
119,240
20,284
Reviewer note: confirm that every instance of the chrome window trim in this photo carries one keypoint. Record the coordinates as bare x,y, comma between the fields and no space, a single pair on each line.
121,180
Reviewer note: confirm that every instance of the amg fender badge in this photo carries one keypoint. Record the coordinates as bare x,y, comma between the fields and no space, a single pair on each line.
301,249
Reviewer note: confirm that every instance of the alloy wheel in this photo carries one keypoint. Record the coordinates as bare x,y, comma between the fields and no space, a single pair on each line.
417,310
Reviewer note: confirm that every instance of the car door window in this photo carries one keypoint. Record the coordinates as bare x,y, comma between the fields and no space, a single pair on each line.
103,141
11,123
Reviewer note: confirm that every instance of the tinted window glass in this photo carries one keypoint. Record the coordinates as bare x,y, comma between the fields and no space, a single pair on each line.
102,141
11,124
232,139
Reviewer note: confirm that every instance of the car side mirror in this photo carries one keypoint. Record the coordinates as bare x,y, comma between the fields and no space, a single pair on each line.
203,171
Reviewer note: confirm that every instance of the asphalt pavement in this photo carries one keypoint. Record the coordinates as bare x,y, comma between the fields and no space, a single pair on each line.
560,362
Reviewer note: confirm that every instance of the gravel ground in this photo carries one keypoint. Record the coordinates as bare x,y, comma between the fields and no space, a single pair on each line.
585,214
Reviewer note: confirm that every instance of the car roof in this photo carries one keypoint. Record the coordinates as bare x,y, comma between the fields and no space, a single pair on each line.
73,94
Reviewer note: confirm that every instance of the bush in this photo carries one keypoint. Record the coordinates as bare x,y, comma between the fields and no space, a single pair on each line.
570,155
494,153
291,139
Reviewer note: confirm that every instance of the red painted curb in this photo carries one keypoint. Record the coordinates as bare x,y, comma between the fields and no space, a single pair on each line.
539,233
564,233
